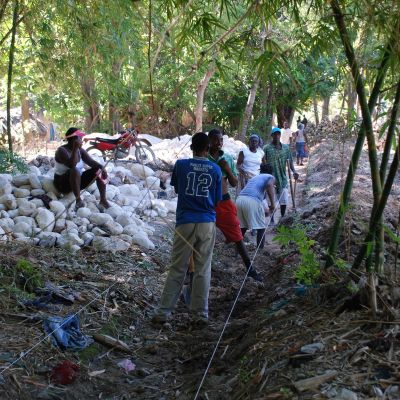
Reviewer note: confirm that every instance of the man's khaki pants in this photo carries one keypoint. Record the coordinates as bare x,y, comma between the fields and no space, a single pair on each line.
197,239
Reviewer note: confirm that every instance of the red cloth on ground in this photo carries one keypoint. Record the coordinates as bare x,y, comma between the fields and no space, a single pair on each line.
228,221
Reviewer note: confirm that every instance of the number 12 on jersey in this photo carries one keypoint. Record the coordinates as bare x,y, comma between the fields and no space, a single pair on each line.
198,184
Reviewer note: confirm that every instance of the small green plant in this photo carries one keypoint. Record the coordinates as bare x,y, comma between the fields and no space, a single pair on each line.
286,393
28,276
308,270
11,163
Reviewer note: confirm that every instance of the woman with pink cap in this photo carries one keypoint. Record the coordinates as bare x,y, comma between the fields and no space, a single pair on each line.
69,172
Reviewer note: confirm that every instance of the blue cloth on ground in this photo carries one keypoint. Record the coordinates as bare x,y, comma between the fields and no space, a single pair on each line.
197,182
65,333
255,187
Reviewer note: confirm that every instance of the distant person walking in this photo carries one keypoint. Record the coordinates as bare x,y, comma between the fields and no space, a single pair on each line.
249,161
301,141
197,182
286,134
277,155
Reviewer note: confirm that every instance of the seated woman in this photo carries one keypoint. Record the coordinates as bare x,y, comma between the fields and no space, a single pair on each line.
248,162
69,172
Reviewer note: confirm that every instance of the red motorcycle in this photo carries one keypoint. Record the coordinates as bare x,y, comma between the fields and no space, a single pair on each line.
119,146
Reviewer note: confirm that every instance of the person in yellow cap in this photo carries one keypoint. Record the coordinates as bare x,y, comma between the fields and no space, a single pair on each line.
69,172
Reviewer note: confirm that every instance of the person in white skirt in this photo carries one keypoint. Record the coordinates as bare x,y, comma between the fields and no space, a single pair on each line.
251,211
249,161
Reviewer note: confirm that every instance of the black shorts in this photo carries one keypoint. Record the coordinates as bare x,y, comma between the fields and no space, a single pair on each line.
63,184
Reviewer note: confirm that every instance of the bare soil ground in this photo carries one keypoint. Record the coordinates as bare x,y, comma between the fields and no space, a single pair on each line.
260,354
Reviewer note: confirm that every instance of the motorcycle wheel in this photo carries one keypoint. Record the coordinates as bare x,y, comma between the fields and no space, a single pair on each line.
93,151
144,154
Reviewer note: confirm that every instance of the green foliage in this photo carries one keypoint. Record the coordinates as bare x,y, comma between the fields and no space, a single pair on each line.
11,163
28,275
308,269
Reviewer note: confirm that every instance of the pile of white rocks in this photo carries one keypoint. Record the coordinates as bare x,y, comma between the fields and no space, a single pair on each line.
169,150
132,193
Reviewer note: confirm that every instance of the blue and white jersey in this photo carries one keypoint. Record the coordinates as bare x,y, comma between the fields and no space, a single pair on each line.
197,182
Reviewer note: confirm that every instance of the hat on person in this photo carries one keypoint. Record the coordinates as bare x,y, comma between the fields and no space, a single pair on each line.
76,132
275,130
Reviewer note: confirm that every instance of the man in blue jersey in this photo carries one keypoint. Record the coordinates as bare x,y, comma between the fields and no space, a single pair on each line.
250,206
197,182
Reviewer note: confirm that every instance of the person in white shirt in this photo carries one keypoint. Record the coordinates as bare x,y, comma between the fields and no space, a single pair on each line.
286,133
301,141
249,160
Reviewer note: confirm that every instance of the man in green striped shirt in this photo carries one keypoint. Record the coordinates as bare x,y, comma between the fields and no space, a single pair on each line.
276,155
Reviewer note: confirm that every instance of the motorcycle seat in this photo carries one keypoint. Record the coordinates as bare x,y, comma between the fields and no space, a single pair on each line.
111,141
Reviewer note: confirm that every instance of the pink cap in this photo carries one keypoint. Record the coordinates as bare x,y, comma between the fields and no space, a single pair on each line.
76,133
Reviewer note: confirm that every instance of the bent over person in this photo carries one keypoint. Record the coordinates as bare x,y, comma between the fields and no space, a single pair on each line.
197,182
69,172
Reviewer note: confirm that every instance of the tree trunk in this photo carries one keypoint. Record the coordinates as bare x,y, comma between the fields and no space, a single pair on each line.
315,106
3,7
351,101
113,112
325,107
334,241
92,119
267,100
201,88
284,113
10,72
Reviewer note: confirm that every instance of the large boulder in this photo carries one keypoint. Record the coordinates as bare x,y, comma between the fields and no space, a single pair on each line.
7,224
22,228
112,244
37,192
57,207
27,209
140,238
114,211
48,239
34,181
5,186
21,193
141,171
20,180
114,228
45,219
129,190
100,218
28,220
83,212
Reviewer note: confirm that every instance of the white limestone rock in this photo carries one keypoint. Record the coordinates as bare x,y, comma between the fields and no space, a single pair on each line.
68,200
18,192
141,170
9,201
13,213
152,183
112,191
170,205
141,239
34,181
114,211
7,224
151,213
48,239
5,187
45,219
87,238
70,238
126,238
2,207
124,219
100,218
57,207
27,209
60,225
6,177
131,229
112,244
99,232
34,170
129,190
37,192
22,228
114,228
48,185
19,180
52,196
3,235
19,237
83,212
37,202
28,220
